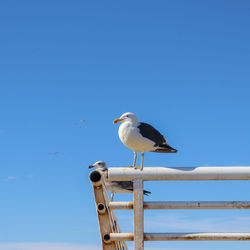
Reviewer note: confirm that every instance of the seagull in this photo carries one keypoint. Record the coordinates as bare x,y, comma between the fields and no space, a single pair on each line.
115,186
141,137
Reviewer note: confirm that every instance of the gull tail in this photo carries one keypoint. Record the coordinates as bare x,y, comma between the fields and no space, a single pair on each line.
165,148
146,192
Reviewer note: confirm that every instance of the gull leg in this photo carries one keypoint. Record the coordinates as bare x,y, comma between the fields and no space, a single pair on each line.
135,157
112,196
142,159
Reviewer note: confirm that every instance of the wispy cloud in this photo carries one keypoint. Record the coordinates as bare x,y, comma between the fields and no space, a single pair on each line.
185,223
47,246
65,246
212,224
12,178
9,178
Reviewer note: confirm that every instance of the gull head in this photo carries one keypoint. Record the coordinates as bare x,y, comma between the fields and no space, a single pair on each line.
130,117
99,165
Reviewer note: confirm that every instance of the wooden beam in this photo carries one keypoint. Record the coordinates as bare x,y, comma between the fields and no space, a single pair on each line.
183,237
183,205
138,215
102,212
179,174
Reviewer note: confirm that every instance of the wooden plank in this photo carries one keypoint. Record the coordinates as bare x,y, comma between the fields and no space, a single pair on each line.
102,213
197,236
183,205
120,245
180,173
138,215
183,236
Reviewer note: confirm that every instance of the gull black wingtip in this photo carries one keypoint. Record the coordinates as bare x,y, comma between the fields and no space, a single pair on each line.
146,192
165,148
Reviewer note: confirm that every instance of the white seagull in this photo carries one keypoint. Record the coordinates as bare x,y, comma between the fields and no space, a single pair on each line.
141,137
115,186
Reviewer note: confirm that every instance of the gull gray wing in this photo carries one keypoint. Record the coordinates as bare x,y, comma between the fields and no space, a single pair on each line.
128,185
152,134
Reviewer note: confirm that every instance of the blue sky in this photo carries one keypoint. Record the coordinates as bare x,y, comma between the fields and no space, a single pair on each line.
182,66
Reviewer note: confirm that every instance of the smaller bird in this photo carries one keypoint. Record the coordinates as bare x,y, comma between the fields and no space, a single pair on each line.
141,137
115,186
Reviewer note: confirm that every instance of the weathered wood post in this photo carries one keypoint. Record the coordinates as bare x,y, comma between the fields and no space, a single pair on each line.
138,215
108,222
102,213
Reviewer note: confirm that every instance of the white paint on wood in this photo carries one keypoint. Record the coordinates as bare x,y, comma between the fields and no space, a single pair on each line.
177,174
106,218
183,205
166,173
183,237
138,215
103,219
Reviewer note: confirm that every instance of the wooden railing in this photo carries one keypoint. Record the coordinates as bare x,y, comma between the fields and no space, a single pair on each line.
111,237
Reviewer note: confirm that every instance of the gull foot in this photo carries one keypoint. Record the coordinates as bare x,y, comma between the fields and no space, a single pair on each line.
138,167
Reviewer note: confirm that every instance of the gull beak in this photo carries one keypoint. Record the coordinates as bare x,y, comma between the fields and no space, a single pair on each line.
91,166
118,120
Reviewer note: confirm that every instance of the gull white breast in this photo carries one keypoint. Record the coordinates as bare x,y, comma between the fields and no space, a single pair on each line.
141,137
